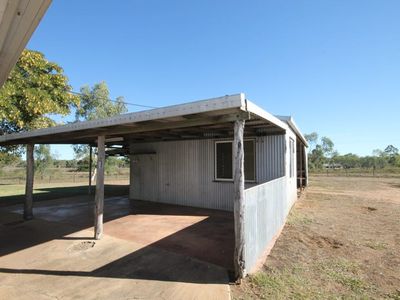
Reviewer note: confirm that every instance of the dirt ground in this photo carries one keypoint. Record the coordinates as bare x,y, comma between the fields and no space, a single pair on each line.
342,240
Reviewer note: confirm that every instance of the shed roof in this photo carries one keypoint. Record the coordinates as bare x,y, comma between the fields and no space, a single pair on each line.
211,118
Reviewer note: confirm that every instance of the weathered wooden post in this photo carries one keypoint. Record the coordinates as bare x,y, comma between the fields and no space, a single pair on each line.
90,170
99,198
301,165
238,152
306,165
28,204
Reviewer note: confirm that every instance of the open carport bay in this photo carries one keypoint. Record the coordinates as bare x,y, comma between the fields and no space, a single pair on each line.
150,250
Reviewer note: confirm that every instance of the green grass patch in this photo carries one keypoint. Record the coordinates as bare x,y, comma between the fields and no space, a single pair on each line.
394,296
296,218
344,272
285,284
376,245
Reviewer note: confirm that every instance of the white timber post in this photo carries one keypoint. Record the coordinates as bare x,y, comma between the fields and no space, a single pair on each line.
238,179
90,170
99,198
28,204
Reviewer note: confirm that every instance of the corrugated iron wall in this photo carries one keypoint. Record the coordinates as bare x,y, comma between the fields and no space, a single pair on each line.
182,172
266,208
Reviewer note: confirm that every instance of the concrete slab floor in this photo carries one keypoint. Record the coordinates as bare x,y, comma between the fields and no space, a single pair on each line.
154,253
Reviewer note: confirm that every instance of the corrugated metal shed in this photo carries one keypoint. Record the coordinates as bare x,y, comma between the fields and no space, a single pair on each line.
182,172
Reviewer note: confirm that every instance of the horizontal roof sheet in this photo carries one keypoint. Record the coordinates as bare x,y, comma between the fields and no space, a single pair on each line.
200,119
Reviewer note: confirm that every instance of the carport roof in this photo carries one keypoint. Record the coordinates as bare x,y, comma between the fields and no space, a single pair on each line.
211,118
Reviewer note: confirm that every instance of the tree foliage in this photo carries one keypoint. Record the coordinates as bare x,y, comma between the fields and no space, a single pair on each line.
35,88
43,158
321,151
9,159
323,154
312,139
392,153
95,103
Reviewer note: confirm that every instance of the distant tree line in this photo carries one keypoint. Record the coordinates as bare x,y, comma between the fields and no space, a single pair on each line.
322,154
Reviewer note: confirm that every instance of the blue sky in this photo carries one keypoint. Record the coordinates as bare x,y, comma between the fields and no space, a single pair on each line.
333,65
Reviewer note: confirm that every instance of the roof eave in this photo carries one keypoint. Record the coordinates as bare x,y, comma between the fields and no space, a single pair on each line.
292,124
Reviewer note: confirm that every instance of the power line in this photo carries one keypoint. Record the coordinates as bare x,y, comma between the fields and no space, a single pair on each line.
112,100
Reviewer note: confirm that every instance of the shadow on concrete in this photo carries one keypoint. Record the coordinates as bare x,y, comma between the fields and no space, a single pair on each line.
177,257
148,263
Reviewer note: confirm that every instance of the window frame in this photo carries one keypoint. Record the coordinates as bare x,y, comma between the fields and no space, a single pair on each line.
231,179
216,160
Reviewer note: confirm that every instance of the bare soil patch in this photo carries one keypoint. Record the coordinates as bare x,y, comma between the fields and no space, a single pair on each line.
342,240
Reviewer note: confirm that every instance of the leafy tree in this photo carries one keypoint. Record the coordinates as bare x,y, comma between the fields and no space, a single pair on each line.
391,150
72,163
348,160
43,158
316,157
368,162
9,159
397,161
377,152
323,152
83,163
380,158
312,139
34,89
391,153
319,152
327,146
95,103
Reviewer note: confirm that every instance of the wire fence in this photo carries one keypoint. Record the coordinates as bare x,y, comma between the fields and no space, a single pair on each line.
358,172
17,177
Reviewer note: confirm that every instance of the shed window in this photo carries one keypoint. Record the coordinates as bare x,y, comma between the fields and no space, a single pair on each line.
223,157
224,160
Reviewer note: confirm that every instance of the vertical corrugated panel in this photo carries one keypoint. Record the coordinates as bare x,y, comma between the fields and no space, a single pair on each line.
266,208
184,171
184,175
270,157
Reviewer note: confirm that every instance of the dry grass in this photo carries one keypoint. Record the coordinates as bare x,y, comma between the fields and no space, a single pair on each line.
342,241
